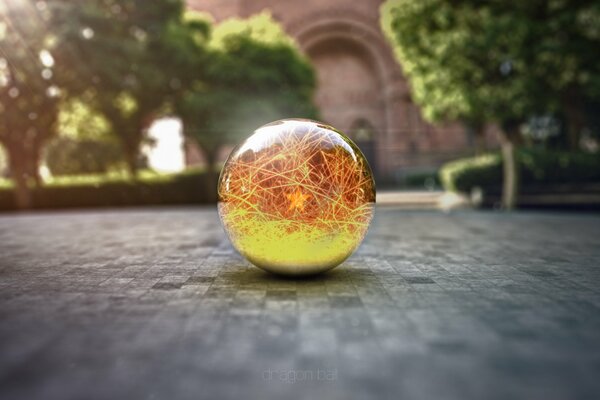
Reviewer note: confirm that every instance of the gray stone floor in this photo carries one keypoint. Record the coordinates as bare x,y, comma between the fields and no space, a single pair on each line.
154,304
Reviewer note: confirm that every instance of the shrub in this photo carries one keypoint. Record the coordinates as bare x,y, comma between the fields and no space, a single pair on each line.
536,167
422,180
185,188
464,174
66,156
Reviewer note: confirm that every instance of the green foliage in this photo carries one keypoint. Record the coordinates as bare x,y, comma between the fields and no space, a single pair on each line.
464,174
421,50
537,167
260,28
498,62
462,61
66,156
491,61
255,74
116,176
98,68
128,59
77,120
428,180
29,97
115,191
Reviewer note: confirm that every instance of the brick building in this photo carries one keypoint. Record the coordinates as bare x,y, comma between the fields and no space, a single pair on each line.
361,88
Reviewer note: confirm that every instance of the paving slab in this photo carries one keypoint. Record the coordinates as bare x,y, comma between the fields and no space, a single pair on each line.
155,304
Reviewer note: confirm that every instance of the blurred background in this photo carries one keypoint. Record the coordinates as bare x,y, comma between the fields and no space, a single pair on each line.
133,102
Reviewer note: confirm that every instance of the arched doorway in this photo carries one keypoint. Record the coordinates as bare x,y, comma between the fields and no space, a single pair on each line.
358,77
349,91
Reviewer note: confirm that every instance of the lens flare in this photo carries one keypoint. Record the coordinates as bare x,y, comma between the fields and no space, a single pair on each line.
296,197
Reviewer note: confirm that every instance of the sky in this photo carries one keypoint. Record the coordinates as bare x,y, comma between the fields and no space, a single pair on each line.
166,155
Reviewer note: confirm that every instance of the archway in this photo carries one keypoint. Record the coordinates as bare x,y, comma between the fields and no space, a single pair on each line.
357,77
349,90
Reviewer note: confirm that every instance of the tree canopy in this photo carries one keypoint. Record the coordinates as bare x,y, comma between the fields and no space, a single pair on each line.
498,62
463,62
491,61
104,67
29,97
128,58
256,75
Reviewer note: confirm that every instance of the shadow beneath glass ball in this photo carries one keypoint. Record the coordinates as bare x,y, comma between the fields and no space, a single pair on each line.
343,273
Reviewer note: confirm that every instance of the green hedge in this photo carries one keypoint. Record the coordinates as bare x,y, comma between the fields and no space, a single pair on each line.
422,180
186,188
536,167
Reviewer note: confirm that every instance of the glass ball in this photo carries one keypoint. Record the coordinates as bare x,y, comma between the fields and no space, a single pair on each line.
296,197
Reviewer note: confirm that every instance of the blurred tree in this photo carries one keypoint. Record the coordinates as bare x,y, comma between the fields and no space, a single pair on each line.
254,74
427,56
68,156
3,162
563,38
29,97
78,120
85,143
467,61
127,58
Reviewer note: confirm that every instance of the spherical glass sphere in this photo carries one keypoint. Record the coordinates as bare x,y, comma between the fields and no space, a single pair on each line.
296,197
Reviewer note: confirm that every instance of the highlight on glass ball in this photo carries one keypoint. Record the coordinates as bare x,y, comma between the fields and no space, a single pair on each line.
296,197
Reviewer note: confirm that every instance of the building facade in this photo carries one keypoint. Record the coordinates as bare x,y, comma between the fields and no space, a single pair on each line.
361,89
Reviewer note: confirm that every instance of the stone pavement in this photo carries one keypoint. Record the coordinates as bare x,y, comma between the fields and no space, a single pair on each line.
154,304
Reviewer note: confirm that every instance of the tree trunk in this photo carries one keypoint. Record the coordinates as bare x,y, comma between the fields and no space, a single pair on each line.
210,156
131,140
479,138
23,195
35,175
19,175
130,152
509,141
476,136
131,161
573,109
575,124
34,166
